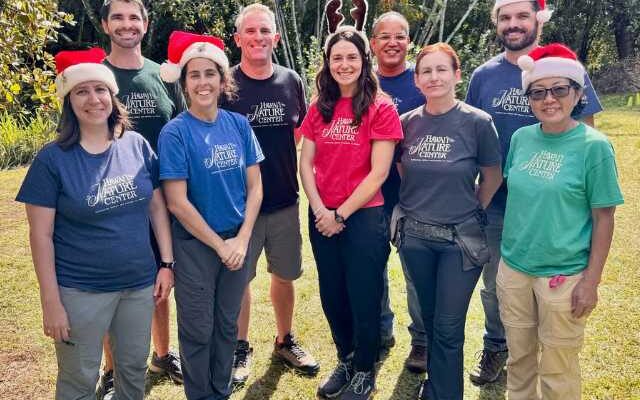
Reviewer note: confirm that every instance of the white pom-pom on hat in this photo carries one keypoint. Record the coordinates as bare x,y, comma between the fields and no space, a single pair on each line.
170,72
544,15
526,63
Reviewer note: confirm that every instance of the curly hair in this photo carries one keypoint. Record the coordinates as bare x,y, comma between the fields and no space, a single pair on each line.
327,88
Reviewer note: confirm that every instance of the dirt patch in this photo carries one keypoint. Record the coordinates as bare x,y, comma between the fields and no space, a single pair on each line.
23,377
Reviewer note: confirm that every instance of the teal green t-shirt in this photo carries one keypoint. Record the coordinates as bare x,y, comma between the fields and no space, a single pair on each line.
554,181
150,102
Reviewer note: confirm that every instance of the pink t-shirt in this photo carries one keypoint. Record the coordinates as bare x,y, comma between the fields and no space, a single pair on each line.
343,152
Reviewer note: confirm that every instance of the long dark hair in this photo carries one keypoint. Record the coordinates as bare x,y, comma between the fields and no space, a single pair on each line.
69,129
328,89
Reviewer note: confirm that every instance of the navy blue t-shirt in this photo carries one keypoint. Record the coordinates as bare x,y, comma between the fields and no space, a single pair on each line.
213,158
406,97
101,229
496,88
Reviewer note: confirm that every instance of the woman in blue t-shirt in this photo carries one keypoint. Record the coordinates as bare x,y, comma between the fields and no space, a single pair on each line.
440,233
563,191
90,196
209,167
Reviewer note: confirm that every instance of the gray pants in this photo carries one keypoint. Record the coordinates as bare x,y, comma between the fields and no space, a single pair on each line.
208,298
126,315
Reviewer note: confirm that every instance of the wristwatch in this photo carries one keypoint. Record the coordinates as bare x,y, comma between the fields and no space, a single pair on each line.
169,265
339,218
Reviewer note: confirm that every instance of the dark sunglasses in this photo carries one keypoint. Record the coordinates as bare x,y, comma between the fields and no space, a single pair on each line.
557,92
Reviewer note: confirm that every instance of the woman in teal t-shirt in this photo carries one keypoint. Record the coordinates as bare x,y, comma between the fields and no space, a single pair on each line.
562,192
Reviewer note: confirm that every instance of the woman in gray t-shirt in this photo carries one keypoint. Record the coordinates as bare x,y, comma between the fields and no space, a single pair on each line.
442,243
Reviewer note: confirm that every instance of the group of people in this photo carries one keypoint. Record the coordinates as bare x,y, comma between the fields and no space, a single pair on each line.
183,173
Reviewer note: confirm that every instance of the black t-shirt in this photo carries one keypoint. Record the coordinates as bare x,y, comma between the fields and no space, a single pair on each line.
274,107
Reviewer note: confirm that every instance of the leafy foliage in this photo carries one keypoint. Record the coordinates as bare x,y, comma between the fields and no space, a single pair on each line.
26,69
22,136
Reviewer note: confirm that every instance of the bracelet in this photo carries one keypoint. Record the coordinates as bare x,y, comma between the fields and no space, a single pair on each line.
315,212
169,265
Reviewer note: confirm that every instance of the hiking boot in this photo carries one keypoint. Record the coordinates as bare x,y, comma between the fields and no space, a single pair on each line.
295,356
241,363
417,360
105,386
387,342
168,365
334,384
489,367
361,387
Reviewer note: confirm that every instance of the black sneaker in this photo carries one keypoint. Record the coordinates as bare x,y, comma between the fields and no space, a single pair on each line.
361,387
489,367
417,360
104,390
168,365
241,363
333,385
295,356
386,343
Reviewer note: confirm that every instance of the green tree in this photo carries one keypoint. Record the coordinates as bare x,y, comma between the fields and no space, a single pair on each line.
26,70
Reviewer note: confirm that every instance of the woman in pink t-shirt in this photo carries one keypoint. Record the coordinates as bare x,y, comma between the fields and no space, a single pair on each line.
349,135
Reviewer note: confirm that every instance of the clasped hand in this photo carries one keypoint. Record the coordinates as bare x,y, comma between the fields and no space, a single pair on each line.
326,222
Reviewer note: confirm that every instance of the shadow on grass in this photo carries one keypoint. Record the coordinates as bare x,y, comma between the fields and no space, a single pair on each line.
407,386
266,385
495,390
152,379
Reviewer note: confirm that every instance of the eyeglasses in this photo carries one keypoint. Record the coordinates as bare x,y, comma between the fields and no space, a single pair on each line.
557,92
399,37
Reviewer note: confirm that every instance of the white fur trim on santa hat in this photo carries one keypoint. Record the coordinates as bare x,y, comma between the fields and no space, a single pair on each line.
84,72
550,67
542,16
170,72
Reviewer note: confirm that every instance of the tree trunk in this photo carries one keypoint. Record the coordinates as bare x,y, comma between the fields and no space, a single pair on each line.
622,29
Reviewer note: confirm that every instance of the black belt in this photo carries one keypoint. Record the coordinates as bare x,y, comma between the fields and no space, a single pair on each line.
422,230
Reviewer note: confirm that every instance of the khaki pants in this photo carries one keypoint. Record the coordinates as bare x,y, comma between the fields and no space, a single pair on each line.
543,338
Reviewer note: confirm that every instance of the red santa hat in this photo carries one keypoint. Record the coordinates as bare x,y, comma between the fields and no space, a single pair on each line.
543,15
77,66
183,46
553,60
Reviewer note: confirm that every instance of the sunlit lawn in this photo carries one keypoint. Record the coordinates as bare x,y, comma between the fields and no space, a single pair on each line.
610,360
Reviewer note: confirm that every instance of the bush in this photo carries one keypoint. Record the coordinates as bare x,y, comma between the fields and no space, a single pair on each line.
27,71
619,78
22,137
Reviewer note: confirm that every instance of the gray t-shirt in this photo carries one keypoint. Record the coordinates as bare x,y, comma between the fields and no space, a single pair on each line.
441,156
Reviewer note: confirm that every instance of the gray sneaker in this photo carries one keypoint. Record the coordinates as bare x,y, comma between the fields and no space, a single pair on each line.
334,384
361,387
490,365
241,363
292,354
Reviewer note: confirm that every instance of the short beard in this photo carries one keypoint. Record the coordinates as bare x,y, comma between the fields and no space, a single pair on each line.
527,41
125,45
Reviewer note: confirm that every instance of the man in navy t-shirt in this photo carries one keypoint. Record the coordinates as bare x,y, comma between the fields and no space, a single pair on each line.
389,44
496,87
272,98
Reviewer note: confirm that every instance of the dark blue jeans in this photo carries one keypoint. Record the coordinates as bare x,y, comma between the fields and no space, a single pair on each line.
350,273
444,291
494,336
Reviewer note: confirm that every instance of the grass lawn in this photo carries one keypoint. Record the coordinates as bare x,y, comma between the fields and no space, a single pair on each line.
610,359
